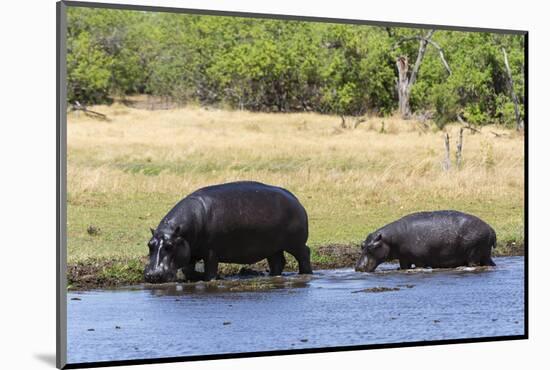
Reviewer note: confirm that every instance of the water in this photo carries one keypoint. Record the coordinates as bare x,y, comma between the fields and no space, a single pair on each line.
330,308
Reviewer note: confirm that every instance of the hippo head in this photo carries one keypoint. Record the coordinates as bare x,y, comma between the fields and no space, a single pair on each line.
168,251
374,251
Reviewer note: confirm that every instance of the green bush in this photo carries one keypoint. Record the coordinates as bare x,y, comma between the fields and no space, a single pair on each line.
446,105
88,77
274,65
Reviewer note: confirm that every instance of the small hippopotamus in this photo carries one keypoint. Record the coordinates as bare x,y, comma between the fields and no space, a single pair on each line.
435,239
239,222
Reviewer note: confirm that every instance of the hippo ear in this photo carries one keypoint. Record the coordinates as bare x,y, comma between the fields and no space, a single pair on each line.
177,231
152,231
376,242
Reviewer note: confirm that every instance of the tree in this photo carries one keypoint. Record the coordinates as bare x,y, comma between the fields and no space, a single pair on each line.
405,81
88,70
519,122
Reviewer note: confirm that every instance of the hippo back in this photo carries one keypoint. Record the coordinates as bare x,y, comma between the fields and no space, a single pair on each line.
443,224
250,219
441,238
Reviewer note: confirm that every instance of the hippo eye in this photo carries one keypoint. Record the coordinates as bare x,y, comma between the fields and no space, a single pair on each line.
373,246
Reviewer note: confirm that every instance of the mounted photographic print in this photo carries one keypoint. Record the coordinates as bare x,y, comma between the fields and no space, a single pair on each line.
234,184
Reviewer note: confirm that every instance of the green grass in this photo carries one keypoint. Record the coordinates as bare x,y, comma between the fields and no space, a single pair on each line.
124,221
118,251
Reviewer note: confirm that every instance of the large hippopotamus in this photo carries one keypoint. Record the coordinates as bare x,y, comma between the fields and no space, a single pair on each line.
238,222
430,239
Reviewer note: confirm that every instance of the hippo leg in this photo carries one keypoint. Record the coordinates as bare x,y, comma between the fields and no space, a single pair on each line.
404,265
474,257
302,254
487,261
191,274
473,260
210,266
276,263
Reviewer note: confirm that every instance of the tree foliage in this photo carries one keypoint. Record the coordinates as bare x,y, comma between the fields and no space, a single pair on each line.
276,65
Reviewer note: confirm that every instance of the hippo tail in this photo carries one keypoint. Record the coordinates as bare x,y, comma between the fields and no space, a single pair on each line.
493,238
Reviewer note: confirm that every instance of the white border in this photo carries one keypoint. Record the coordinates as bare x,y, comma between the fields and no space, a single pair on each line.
28,181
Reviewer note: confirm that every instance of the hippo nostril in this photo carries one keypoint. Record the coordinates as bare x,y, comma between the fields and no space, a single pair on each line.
151,277
154,277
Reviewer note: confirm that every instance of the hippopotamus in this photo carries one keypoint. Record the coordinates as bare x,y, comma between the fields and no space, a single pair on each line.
238,222
436,239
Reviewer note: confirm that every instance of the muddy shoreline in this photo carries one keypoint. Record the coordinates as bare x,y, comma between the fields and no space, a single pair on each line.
109,273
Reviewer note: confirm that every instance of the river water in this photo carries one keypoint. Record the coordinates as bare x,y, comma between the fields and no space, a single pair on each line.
330,308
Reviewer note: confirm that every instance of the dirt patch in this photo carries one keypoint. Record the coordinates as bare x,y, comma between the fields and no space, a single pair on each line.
336,256
509,249
376,289
231,284
96,273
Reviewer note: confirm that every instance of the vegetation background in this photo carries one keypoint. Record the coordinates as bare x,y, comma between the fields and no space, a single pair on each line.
187,101
282,66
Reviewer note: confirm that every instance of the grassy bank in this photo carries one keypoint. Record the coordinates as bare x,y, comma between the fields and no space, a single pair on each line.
126,172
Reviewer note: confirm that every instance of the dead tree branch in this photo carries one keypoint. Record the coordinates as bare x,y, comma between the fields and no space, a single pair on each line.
441,55
497,134
427,38
356,122
421,51
79,107
467,124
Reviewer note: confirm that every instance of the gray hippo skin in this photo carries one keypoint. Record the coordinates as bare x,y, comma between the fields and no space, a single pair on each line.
435,239
239,222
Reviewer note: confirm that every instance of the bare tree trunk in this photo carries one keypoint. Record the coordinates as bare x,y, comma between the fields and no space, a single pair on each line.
519,123
403,87
404,82
447,160
459,149
343,123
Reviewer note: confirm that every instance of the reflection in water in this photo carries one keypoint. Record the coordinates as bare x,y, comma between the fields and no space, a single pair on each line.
288,280
232,284
329,308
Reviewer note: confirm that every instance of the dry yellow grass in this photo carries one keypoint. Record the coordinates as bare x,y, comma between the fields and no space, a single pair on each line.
124,174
